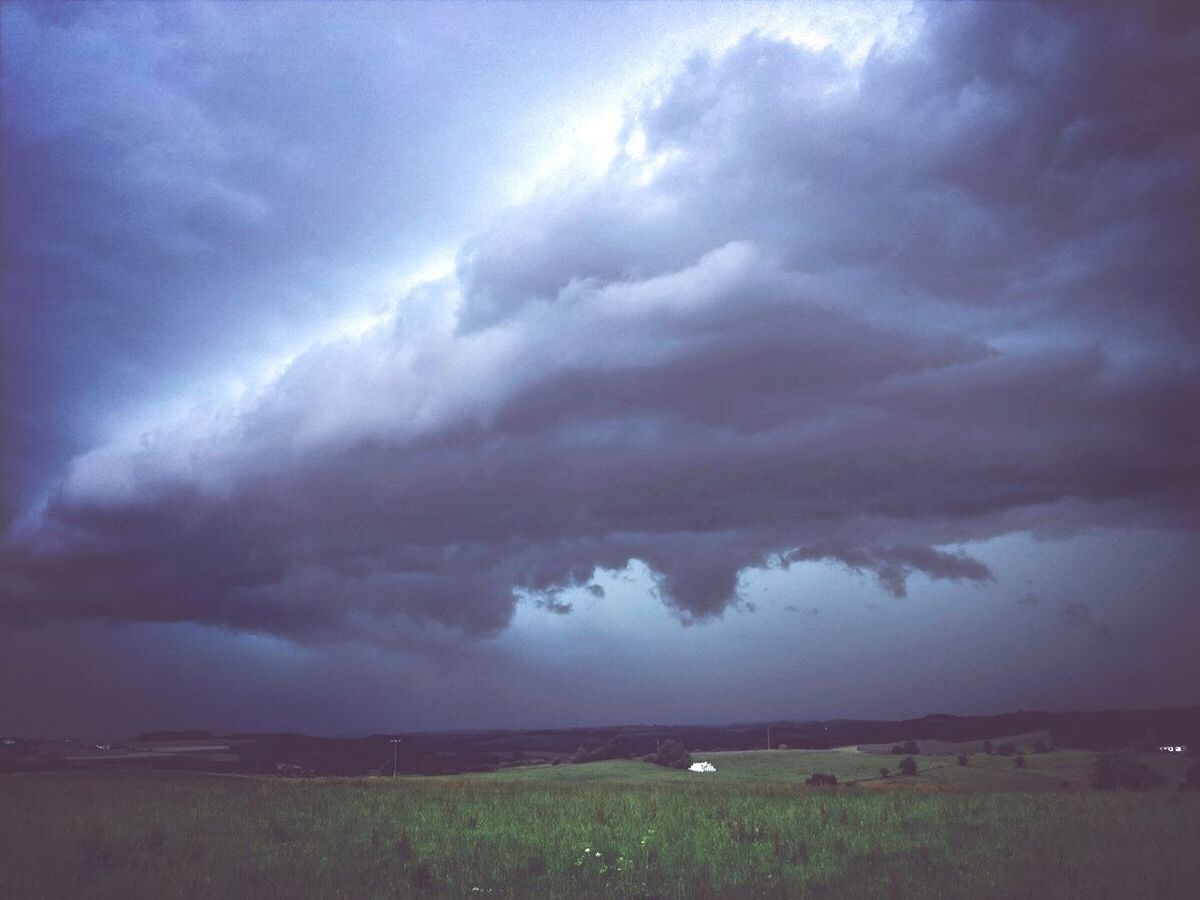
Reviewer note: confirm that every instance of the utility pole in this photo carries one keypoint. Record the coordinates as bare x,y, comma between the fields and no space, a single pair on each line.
395,741
768,737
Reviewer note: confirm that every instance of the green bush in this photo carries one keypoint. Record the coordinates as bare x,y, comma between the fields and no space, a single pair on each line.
672,754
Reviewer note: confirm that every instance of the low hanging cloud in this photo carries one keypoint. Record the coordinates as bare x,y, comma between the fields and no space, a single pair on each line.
892,565
814,311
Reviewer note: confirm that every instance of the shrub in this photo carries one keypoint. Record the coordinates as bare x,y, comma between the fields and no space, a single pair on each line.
884,772
1123,769
908,766
1020,761
897,750
911,748
1007,749
987,748
672,754
821,779
962,759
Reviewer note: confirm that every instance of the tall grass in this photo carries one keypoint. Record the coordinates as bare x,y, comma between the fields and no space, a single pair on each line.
173,835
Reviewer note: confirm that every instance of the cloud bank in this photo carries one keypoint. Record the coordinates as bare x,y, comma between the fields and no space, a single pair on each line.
815,310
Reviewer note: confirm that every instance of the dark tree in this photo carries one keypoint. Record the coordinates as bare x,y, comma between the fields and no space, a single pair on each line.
1123,769
1020,761
963,759
987,748
897,750
884,772
911,748
821,779
908,766
672,754
1007,749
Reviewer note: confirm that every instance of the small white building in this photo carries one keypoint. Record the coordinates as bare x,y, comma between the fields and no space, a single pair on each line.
1173,748
702,767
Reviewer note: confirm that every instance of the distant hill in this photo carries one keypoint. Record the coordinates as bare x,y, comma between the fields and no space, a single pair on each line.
148,737
482,751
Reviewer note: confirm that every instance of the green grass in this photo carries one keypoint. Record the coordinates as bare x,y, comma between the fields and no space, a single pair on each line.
1043,771
746,832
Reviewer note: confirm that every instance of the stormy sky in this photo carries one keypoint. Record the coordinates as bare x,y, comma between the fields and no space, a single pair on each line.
393,366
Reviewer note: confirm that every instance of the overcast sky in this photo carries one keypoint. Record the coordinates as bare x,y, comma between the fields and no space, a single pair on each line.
395,366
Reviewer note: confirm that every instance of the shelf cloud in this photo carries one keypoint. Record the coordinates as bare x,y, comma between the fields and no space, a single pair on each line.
865,312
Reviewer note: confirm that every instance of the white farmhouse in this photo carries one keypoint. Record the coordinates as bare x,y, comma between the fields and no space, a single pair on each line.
702,767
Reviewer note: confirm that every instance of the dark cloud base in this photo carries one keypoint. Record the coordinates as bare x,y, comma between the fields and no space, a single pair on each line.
857,315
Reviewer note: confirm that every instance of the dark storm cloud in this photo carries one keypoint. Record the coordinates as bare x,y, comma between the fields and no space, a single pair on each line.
190,185
553,604
813,312
893,565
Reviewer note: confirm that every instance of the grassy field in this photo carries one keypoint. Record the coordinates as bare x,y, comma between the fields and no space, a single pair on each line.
619,829
1055,771
771,767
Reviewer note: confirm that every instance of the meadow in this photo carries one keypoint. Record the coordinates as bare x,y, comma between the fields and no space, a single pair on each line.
609,829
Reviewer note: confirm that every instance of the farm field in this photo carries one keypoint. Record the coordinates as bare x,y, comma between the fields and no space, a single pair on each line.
618,829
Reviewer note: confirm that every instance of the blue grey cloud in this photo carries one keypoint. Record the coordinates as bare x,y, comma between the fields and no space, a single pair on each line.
813,311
